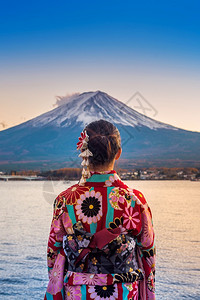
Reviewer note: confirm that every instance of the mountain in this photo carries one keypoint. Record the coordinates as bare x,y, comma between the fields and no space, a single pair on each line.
49,140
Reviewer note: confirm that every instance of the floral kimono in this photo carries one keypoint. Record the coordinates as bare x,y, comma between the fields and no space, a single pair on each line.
101,242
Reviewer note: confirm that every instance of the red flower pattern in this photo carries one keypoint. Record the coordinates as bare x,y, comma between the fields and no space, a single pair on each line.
83,139
73,193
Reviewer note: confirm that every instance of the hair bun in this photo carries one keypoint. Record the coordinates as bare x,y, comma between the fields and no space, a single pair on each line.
104,142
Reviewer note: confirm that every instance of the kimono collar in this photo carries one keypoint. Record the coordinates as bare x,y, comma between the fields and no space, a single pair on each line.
101,176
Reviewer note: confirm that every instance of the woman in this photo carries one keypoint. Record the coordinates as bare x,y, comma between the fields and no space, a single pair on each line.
101,242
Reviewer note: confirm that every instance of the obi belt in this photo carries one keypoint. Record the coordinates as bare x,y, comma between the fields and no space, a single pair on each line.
108,251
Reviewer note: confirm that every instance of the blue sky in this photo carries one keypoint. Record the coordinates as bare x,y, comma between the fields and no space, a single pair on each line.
51,48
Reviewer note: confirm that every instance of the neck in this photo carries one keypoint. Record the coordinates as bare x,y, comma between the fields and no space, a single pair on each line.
101,168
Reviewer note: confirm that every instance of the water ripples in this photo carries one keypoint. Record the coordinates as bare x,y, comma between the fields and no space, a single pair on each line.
23,265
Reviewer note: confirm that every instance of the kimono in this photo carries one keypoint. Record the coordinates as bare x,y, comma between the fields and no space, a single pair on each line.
101,242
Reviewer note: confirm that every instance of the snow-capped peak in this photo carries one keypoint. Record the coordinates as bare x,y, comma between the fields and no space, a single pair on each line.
91,106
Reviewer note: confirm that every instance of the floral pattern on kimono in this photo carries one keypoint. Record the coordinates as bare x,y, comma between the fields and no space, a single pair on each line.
103,202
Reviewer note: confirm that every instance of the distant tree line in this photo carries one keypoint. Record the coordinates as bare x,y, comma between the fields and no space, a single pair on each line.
62,174
75,173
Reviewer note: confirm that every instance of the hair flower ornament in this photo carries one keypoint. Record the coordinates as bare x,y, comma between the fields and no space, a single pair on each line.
83,140
83,146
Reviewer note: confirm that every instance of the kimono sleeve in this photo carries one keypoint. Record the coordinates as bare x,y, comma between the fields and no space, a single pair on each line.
60,225
146,245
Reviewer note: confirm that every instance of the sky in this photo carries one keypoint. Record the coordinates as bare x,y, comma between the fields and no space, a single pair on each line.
51,49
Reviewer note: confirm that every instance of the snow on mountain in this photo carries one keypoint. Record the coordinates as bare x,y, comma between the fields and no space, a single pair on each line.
49,140
91,106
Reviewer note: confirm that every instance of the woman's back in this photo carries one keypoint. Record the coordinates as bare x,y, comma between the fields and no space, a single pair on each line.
103,202
101,241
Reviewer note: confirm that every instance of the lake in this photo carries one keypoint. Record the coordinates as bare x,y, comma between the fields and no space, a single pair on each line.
25,217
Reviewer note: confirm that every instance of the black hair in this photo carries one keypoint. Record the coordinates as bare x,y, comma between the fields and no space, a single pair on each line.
104,142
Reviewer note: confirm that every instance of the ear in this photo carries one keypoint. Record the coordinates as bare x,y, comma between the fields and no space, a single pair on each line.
118,154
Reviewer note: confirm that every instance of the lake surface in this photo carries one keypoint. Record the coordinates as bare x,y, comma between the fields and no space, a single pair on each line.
26,210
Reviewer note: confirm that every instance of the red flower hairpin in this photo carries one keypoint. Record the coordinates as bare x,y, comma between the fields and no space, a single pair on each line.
83,139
